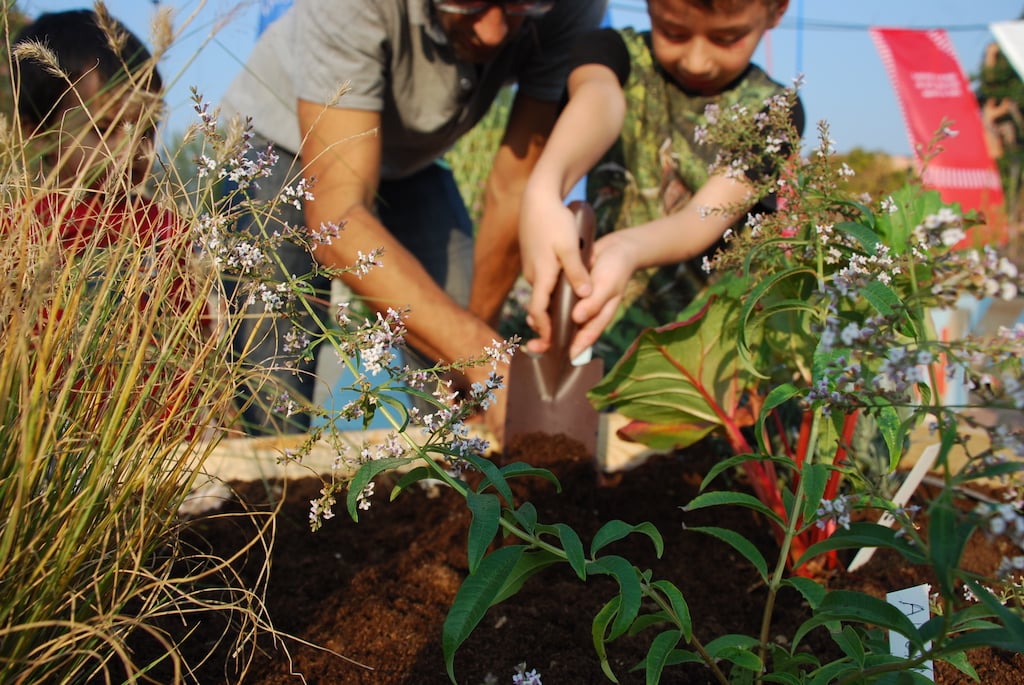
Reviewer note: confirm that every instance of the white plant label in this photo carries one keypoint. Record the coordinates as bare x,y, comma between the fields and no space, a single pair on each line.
913,602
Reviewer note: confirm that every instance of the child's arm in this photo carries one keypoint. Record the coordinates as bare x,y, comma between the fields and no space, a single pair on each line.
668,240
549,243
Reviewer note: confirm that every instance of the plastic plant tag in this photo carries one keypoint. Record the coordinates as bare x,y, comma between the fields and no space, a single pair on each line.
913,603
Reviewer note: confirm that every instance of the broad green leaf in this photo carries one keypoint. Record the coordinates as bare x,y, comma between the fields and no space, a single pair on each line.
364,475
717,498
679,606
740,544
688,375
630,592
666,436
474,598
486,511
616,530
658,654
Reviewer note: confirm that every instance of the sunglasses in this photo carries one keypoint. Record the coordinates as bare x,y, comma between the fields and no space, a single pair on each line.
512,8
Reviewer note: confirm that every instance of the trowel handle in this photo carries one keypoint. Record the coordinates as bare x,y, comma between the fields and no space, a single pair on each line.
563,299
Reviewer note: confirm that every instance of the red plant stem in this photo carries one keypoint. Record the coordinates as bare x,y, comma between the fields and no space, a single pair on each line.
783,437
849,424
805,437
763,478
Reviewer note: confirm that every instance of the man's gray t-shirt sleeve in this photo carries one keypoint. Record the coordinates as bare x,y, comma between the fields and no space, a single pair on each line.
343,43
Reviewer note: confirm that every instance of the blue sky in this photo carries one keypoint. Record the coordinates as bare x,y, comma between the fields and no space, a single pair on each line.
825,40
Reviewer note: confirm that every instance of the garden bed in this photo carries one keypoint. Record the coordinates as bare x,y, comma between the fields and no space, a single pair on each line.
377,591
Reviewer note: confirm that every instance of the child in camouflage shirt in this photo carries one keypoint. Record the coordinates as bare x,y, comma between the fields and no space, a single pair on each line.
635,102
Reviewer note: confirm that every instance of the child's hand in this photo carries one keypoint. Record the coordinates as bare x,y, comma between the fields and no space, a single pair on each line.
612,267
549,242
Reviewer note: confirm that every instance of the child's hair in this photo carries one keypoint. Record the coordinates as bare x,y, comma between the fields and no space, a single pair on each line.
81,41
730,5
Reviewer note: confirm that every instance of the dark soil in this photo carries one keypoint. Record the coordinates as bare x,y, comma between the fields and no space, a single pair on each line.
377,591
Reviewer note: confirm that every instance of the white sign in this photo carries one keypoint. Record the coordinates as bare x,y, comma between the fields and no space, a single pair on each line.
913,602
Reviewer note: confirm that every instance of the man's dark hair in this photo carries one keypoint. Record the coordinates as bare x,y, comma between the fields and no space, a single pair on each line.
81,44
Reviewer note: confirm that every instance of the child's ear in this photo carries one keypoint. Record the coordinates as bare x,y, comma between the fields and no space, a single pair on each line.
780,7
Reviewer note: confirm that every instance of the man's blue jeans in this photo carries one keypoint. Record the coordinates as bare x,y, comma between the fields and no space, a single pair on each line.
425,212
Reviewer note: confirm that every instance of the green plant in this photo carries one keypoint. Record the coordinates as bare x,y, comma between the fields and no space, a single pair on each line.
820,311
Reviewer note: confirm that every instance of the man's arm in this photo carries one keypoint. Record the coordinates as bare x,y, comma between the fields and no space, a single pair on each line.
496,263
341,150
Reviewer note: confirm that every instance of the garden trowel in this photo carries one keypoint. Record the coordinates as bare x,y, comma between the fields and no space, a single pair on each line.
548,393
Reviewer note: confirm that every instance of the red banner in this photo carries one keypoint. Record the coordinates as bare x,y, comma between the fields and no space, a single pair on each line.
932,89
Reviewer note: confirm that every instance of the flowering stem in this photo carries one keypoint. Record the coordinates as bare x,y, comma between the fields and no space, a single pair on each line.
784,547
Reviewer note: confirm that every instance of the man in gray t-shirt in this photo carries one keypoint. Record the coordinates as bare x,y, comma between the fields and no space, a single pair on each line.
364,96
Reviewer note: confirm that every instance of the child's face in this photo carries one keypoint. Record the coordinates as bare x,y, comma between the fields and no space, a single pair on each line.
705,51
108,141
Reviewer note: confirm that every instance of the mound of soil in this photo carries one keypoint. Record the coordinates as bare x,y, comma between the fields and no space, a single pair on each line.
376,592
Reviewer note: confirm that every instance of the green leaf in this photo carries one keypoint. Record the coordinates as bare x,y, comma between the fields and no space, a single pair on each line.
679,606
737,649
740,544
531,563
863,535
682,380
960,662
526,517
718,498
617,530
364,475
412,476
599,631
894,432
815,479
883,298
658,654
630,592
486,510
849,640
865,236
812,590
778,396
474,598
948,534
753,302
845,605
518,469
573,548
493,476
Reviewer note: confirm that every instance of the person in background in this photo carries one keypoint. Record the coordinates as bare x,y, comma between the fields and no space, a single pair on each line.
362,98
89,98
635,102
